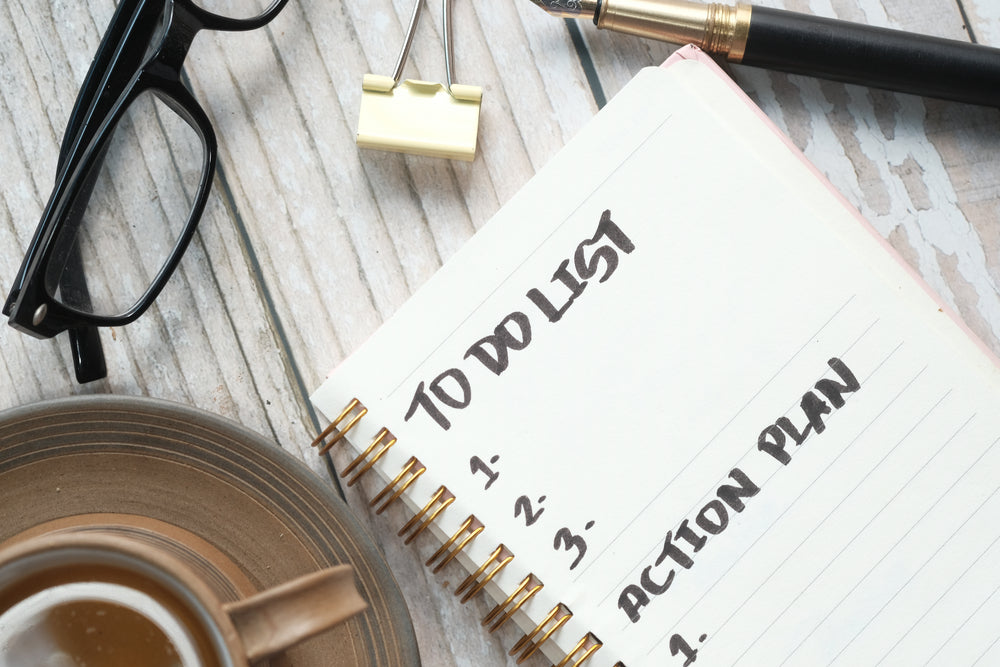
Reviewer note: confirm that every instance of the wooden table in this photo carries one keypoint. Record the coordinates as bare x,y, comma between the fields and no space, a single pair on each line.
308,244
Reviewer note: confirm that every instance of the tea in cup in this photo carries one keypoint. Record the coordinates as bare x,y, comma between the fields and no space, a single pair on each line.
100,599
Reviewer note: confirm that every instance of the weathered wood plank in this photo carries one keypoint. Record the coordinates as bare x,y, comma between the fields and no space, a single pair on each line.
308,244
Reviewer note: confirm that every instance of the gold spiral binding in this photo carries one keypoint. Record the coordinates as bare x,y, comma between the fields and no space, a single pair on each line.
527,645
589,644
389,442
472,526
501,552
414,469
334,426
504,611
442,498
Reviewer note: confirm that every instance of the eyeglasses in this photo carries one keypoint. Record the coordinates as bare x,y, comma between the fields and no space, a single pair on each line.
134,172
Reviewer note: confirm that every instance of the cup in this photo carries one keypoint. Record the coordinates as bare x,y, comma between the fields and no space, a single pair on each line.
104,599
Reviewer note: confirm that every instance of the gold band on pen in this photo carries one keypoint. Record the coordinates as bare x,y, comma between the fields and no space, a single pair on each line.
716,28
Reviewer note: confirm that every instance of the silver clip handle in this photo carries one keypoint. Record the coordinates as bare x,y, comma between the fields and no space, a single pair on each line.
411,30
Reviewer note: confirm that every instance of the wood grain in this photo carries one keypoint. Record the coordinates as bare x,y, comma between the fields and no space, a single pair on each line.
308,244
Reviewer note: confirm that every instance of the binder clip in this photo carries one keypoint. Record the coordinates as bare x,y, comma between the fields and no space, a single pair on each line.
420,117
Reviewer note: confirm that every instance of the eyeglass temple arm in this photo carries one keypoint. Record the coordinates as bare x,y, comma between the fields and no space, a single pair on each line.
88,355
84,342
97,94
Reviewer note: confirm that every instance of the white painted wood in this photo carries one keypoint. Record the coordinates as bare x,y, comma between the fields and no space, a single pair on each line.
307,243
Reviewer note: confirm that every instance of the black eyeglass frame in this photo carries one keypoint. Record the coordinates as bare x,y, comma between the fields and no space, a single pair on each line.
142,51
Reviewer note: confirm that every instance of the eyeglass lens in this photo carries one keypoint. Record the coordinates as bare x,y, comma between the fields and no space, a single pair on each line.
236,9
126,220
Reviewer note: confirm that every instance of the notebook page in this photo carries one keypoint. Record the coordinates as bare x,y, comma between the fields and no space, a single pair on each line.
694,395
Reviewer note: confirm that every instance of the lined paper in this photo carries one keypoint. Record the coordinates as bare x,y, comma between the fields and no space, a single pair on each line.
678,329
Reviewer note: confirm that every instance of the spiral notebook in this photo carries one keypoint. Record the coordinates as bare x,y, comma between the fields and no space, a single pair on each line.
678,403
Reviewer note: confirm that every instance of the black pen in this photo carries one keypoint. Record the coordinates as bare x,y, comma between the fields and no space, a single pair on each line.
804,44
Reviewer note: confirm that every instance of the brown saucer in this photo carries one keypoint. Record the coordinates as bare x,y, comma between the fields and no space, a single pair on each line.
220,494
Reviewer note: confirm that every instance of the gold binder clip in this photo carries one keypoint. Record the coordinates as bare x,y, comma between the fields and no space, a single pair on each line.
420,117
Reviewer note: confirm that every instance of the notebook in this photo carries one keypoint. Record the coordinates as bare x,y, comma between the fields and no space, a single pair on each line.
677,402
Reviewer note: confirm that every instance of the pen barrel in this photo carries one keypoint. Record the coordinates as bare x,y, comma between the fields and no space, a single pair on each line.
878,57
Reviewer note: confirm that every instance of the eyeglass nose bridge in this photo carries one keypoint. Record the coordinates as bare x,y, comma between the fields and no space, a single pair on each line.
185,19
211,21
175,39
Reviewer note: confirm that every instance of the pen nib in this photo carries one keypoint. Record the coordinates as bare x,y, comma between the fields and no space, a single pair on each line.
570,9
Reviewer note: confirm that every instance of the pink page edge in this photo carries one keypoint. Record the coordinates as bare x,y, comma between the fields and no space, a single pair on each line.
692,52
